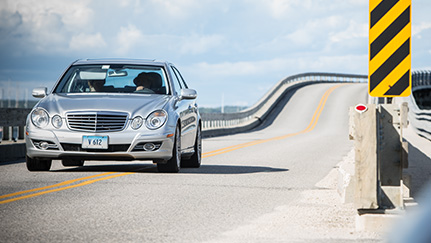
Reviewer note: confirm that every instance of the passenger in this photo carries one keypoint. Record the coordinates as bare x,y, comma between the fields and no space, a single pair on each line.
143,83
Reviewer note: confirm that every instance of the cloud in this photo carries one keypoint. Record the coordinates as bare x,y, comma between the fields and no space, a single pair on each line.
128,38
305,9
357,64
132,41
43,26
242,68
417,29
278,67
175,8
198,44
280,8
354,30
315,33
129,3
9,20
180,9
82,42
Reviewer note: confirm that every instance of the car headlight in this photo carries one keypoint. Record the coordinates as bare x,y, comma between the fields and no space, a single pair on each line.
56,121
156,119
137,122
40,117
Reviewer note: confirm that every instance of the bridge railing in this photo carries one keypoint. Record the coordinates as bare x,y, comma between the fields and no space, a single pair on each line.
225,123
421,79
420,117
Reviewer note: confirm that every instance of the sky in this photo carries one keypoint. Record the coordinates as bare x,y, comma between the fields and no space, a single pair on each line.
231,51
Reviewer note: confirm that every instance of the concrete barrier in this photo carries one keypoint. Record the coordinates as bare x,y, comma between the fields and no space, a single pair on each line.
12,122
12,151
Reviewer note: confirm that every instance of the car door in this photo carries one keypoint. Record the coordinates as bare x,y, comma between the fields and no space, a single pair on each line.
188,112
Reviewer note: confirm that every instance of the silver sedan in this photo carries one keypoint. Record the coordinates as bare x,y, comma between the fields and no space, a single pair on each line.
116,109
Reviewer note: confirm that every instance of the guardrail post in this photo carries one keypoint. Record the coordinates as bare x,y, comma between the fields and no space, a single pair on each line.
365,135
6,133
380,155
15,133
21,132
391,154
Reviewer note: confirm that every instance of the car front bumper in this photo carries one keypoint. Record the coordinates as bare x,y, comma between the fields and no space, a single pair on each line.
123,145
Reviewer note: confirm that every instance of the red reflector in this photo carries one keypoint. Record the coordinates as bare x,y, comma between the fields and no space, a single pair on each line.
361,108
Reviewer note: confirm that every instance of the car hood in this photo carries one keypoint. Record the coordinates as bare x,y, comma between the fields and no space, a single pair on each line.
132,104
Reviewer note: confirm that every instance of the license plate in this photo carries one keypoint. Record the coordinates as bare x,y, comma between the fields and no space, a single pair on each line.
95,142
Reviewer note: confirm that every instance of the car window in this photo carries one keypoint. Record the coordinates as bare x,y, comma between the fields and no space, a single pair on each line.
180,78
114,79
176,82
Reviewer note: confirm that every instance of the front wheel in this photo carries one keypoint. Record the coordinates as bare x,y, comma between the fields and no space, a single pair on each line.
34,164
195,160
173,164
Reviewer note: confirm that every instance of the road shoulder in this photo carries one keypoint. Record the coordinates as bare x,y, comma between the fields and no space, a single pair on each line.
319,215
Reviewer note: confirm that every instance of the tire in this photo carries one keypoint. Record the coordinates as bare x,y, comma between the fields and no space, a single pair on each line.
72,162
173,164
195,160
34,164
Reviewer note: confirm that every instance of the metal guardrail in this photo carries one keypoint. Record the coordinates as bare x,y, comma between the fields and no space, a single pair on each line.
421,79
225,123
419,118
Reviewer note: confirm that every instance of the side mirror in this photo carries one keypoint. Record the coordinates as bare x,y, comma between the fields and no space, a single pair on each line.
188,94
40,92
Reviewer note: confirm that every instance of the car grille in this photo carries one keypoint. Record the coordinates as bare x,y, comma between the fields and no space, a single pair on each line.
111,148
97,121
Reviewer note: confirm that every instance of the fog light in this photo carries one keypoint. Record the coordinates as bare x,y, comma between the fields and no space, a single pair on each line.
149,146
44,145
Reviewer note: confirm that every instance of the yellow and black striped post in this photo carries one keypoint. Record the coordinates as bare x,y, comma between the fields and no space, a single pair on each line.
390,48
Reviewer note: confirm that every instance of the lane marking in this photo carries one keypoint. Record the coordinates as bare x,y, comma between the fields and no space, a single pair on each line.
110,175
55,185
64,188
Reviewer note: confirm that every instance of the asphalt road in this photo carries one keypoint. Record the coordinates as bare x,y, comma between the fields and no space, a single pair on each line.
243,178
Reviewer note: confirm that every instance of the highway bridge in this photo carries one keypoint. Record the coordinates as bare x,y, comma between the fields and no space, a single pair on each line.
269,174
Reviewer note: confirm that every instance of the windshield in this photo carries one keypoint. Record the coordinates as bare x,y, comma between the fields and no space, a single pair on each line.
114,79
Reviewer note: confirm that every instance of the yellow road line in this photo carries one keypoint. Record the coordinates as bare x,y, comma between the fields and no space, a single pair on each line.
64,188
55,185
226,148
309,128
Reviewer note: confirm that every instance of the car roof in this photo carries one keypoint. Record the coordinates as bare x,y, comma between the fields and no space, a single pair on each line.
121,61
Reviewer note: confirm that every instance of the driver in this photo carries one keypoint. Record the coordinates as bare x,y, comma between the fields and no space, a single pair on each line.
96,85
